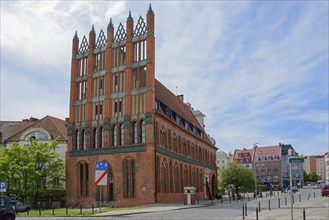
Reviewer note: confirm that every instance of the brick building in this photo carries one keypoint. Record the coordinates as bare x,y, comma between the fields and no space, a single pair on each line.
267,163
120,114
244,156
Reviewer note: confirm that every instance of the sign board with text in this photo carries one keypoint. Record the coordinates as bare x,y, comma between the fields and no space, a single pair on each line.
295,160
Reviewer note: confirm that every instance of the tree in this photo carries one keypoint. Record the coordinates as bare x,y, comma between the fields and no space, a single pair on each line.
306,177
237,174
313,177
32,171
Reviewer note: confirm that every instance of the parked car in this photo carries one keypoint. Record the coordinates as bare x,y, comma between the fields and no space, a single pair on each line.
6,209
325,190
19,206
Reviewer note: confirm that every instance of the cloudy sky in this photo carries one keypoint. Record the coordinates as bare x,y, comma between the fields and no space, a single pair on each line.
257,70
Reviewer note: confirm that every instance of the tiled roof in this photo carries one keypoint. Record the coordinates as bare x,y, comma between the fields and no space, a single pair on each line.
54,126
165,96
268,151
9,128
237,151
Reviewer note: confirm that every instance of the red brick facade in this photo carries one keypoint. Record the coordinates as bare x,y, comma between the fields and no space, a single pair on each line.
120,114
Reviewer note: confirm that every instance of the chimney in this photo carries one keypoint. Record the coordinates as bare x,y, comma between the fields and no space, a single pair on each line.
181,97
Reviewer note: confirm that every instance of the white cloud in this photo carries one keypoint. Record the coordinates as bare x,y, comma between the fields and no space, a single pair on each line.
249,67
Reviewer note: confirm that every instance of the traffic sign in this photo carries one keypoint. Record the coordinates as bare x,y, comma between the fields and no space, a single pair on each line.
101,174
3,186
295,160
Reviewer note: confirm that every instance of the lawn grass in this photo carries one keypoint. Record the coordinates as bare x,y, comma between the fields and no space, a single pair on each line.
70,212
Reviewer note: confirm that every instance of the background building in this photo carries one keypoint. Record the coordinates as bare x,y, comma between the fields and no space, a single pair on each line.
296,169
315,163
120,114
46,129
244,156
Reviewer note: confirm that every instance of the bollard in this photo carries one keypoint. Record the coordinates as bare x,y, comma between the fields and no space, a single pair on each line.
256,213
221,200
269,204
300,198
308,198
304,214
278,202
66,210
92,208
81,209
314,194
293,199
245,206
243,211
259,206
285,201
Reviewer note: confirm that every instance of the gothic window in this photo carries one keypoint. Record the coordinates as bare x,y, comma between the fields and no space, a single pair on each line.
95,138
77,140
82,146
102,139
84,175
158,181
171,176
129,178
143,131
135,133
175,143
176,178
114,135
165,176
181,175
169,139
122,135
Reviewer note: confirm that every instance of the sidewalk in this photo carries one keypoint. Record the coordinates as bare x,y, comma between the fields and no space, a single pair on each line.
315,209
158,207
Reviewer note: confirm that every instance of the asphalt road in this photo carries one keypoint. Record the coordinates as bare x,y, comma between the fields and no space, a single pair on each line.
205,212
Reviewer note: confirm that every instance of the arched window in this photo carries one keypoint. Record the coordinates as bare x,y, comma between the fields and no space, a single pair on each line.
169,139
38,135
158,181
77,140
143,131
83,179
175,142
83,140
114,135
129,178
122,135
165,176
135,132
102,139
171,175
176,178
95,138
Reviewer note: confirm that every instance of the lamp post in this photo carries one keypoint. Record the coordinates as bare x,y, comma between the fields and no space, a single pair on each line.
255,146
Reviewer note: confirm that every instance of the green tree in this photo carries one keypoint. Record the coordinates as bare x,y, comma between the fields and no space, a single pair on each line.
237,174
313,177
306,178
32,171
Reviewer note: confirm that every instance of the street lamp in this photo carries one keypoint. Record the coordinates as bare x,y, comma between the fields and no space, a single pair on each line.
255,146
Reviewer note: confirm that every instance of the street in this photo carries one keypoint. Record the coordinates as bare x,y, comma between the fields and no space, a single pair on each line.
216,211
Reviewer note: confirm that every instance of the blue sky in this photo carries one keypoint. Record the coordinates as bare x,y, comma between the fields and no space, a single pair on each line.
257,70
